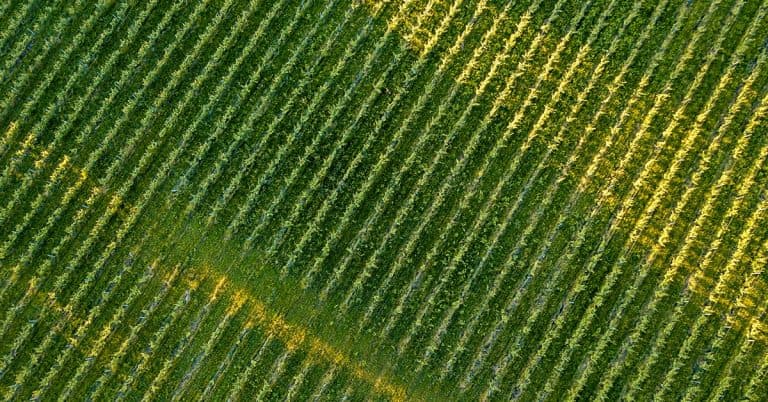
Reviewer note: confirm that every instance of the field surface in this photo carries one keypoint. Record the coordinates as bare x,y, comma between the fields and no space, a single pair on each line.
383,200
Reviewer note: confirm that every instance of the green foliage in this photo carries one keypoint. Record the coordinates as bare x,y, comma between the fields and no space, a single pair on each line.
422,200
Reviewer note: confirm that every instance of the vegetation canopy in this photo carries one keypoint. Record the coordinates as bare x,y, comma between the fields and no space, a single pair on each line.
383,200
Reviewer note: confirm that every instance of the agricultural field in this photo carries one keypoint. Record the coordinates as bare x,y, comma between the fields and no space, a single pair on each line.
405,200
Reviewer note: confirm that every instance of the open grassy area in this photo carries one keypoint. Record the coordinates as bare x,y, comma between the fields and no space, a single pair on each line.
383,200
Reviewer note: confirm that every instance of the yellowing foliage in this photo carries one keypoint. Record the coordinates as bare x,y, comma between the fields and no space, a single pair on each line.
296,337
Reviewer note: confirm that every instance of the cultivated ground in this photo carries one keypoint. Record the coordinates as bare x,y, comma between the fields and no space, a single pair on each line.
383,200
